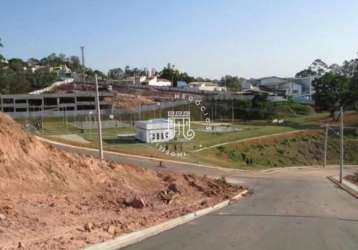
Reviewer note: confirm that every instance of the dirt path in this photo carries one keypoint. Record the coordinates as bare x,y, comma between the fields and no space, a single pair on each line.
245,140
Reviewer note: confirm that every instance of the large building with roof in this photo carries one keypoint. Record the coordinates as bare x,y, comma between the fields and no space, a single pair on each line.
297,88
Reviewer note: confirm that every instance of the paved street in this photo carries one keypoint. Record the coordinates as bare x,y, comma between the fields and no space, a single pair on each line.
294,213
295,208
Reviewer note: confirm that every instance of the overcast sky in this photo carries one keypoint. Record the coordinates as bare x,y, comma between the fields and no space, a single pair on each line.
208,38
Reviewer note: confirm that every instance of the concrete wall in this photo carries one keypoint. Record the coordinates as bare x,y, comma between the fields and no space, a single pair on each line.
52,105
52,86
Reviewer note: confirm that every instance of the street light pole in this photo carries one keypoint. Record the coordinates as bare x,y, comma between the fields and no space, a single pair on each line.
99,123
342,147
83,62
325,145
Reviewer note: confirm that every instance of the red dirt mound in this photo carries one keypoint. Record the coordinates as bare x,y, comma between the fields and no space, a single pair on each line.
131,101
50,199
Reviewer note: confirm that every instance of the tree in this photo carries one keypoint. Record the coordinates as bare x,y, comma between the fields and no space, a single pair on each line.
41,78
174,75
353,89
332,91
33,61
12,82
16,64
89,72
75,64
100,74
116,73
2,58
233,83
260,107
44,61
305,73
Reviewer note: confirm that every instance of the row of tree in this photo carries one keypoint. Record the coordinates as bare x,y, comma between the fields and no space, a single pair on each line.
171,73
19,76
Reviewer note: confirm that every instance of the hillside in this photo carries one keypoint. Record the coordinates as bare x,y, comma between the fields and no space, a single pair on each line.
303,148
50,199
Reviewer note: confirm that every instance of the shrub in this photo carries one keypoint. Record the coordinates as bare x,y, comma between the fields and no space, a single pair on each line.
221,149
280,151
285,142
233,155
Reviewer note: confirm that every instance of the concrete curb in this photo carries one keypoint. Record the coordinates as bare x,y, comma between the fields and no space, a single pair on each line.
135,237
345,186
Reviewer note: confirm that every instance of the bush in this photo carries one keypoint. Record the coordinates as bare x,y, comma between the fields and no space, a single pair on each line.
292,108
233,155
221,149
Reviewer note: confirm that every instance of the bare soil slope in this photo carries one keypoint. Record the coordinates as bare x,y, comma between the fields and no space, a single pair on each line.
50,199
130,101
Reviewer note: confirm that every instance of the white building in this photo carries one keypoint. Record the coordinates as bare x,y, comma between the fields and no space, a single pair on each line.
155,81
206,86
155,130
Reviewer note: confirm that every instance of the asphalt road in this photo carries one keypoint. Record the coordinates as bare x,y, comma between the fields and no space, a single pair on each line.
153,164
295,208
283,213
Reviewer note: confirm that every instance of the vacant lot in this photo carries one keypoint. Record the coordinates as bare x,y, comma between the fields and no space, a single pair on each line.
50,199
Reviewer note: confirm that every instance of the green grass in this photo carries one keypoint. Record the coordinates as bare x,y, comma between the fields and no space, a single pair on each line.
304,149
289,151
209,139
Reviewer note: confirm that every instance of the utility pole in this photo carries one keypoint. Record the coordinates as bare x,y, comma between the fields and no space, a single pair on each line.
342,147
214,109
83,62
140,111
232,111
160,110
325,145
99,124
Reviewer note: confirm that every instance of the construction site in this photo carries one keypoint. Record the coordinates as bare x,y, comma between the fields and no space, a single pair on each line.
50,199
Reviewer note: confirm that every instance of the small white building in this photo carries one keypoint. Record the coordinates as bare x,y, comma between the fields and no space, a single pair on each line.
206,86
155,130
155,81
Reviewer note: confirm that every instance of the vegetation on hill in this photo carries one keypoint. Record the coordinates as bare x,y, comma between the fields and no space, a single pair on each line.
259,108
300,149
233,83
19,76
334,91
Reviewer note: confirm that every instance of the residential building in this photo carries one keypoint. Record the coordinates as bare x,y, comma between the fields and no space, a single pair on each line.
182,84
289,87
